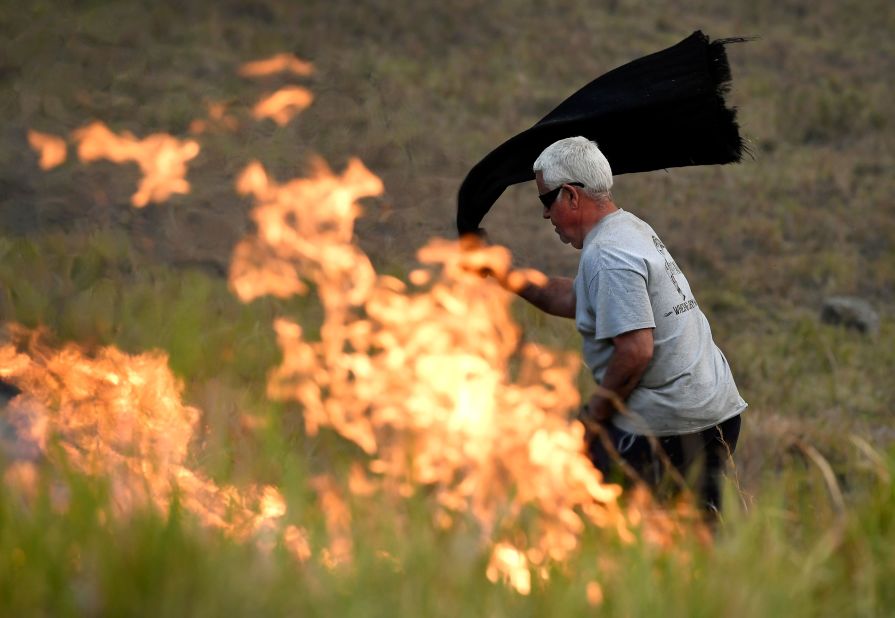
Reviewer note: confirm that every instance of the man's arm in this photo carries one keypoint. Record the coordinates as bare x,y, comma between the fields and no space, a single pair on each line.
632,355
553,295
556,296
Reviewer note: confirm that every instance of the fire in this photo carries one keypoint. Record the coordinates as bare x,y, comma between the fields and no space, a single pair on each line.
218,117
338,522
420,376
52,149
511,565
298,222
430,377
279,63
595,594
120,417
283,105
162,159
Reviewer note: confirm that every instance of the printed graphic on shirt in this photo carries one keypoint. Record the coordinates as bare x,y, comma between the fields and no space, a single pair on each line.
683,307
672,270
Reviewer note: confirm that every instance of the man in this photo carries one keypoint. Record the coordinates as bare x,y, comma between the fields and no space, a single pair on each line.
668,408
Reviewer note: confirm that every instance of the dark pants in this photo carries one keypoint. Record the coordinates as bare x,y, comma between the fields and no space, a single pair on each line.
668,464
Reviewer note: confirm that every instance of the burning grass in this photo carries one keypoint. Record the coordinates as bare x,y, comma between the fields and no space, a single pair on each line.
162,159
418,380
166,560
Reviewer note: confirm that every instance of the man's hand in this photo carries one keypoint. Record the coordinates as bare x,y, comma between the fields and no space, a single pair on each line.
600,408
487,260
632,355
479,256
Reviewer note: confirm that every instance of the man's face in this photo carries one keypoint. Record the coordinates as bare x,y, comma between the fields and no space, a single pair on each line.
562,213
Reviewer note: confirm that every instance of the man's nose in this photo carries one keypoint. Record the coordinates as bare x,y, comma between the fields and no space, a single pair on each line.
546,213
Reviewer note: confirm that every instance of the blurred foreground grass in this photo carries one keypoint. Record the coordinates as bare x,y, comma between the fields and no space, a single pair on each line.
790,555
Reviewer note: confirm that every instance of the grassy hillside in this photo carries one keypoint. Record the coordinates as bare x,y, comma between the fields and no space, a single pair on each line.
419,92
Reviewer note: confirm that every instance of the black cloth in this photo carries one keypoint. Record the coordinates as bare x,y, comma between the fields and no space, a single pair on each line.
663,110
699,459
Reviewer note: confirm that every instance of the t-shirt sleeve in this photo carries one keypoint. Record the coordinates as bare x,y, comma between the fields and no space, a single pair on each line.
621,302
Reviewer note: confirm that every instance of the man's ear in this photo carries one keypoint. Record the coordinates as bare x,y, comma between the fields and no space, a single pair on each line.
573,197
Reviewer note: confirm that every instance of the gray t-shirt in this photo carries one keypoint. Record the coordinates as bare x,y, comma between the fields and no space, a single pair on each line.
627,280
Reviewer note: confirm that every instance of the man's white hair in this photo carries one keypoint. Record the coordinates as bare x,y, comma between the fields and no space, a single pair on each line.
575,159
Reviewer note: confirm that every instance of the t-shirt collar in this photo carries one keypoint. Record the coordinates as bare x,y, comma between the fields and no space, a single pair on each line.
593,232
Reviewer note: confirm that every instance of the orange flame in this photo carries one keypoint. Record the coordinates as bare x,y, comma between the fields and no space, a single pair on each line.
217,117
280,63
296,541
298,222
421,380
338,522
52,149
121,417
594,593
510,565
283,105
162,159
430,378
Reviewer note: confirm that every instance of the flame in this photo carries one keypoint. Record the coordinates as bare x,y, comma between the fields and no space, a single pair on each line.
296,541
162,159
294,232
52,149
217,117
23,477
430,377
510,565
595,596
121,417
420,379
283,105
280,63
338,522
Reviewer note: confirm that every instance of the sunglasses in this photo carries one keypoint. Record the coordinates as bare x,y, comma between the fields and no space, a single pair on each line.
548,198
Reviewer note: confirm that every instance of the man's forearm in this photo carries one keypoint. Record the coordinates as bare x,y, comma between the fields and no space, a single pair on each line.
556,297
621,378
632,355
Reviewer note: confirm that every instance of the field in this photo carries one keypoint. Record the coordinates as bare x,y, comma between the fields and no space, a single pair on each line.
292,495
